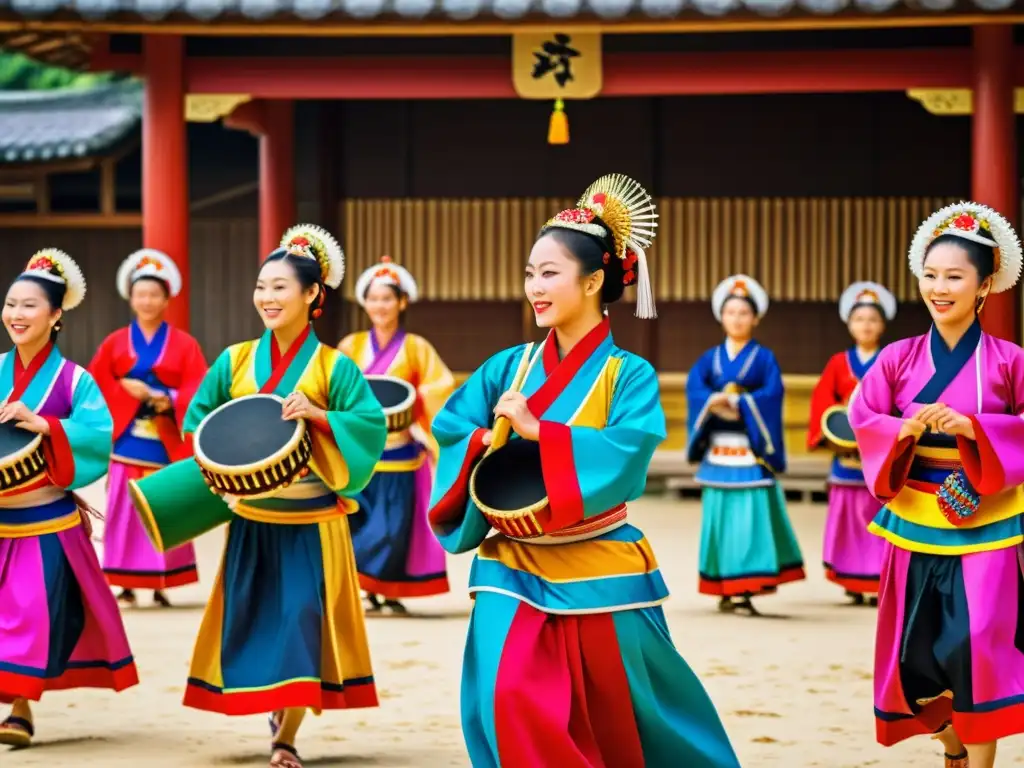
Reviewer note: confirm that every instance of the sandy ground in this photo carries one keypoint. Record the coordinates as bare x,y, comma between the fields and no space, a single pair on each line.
793,687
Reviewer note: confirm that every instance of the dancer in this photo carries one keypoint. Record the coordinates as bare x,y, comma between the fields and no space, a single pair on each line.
148,373
569,660
59,623
852,556
396,553
939,421
734,399
283,631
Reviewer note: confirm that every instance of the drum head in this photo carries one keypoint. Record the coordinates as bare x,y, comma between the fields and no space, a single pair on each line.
393,394
511,479
14,440
837,429
245,431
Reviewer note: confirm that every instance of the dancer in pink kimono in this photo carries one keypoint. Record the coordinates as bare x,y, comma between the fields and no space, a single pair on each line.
939,421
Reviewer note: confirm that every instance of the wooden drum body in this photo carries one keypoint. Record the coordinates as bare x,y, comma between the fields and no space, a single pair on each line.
507,485
21,456
397,398
246,449
836,429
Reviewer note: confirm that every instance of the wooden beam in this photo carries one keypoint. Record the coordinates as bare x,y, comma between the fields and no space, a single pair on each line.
42,194
108,187
70,221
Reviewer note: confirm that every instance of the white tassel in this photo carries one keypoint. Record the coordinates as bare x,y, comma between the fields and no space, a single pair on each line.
645,308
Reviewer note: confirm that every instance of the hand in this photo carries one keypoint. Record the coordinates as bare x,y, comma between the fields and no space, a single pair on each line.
717,400
929,414
488,438
22,417
953,423
911,428
231,500
297,406
161,403
512,405
726,412
137,389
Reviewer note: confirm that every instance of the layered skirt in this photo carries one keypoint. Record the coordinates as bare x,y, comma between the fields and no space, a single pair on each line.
950,645
396,552
284,624
130,560
747,544
60,627
604,690
852,555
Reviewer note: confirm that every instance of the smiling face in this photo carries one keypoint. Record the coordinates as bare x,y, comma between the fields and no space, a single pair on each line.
279,296
148,299
738,319
28,316
866,326
554,286
950,285
383,305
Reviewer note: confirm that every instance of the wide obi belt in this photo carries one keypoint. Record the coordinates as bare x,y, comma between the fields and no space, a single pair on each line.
591,528
914,520
305,502
405,456
38,512
730,449
141,444
729,461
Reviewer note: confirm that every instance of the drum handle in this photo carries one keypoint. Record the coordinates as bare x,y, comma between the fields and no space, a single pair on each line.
502,429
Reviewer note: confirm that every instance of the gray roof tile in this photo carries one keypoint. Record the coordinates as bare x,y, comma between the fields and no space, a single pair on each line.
42,126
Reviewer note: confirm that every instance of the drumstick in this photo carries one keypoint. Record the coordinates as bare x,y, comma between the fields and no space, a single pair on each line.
502,428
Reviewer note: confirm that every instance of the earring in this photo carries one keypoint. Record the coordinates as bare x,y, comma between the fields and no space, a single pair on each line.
980,304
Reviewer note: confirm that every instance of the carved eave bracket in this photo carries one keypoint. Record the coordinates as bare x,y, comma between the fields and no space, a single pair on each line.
955,101
211,107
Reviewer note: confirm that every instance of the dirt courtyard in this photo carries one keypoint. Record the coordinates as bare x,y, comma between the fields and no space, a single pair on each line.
793,687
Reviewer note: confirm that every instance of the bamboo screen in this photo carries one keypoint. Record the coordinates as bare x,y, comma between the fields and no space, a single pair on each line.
800,249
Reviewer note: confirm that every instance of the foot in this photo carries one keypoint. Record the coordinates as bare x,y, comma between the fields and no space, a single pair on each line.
127,597
161,599
726,605
395,607
957,761
284,756
744,604
16,732
374,602
274,719
873,601
856,598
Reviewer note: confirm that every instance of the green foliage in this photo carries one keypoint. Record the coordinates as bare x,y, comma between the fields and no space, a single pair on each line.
20,73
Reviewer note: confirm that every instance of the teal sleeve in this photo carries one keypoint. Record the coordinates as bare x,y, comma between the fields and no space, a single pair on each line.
78,447
212,393
357,424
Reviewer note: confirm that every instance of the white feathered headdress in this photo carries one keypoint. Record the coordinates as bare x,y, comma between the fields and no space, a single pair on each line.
148,262
55,265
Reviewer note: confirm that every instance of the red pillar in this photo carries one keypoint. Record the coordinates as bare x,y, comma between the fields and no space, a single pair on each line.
994,154
277,173
165,219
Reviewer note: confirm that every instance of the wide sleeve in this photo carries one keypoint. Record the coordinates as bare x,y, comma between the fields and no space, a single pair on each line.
78,447
992,460
824,396
459,429
122,405
434,385
193,373
588,471
213,392
345,453
699,418
761,412
885,459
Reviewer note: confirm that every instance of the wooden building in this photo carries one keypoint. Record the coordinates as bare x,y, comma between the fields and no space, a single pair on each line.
801,142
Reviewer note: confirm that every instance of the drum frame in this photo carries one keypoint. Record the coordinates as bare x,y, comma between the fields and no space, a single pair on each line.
23,465
294,455
399,417
833,439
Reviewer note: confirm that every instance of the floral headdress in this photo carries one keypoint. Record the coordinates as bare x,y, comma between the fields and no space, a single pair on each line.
317,243
386,271
619,207
972,221
148,262
863,293
55,265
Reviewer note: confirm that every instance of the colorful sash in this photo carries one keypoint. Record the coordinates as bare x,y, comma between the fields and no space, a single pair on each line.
383,358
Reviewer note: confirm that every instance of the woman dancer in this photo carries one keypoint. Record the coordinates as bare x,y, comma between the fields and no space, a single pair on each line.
148,373
283,631
396,553
569,659
734,398
852,556
939,421
60,625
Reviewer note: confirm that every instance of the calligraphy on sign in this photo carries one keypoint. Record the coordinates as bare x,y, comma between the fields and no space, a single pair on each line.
557,65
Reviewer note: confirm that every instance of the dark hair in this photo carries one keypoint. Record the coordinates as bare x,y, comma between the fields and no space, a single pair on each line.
871,304
590,251
54,293
307,271
159,281
981,256
399,294
747,299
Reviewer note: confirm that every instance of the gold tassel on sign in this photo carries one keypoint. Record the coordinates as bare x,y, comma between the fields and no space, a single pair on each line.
558,128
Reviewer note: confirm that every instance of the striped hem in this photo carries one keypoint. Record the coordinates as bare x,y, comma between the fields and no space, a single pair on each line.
750,584
311,694
394,590
155,580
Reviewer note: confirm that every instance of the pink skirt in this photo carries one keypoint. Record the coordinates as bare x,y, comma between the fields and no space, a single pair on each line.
59,623
949,647
130,560
852,555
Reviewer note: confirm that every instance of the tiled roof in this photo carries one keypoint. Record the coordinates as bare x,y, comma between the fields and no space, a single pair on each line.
42,126
459,10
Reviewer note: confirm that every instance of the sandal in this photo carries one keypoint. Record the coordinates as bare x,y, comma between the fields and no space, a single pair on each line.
726,605
957,761
375,605
161,599
396,607
284,756
746,605
16,732
127,597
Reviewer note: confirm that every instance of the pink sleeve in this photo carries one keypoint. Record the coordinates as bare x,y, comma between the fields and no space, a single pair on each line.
993,460
885,460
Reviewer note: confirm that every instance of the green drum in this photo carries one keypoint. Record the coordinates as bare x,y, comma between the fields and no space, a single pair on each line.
176,504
